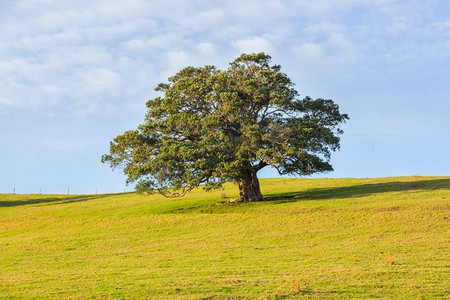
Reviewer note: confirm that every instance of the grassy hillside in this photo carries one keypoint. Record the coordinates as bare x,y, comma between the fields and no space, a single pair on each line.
316,238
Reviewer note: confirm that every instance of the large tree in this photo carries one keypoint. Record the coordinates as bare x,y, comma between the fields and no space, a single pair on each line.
213,126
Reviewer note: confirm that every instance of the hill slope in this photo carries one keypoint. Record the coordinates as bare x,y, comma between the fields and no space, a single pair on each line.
319,238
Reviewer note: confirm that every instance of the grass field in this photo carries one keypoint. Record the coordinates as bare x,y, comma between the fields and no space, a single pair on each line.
315,238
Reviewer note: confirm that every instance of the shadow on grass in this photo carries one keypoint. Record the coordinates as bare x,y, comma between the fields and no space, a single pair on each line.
276,198
358,190
319,194
53,200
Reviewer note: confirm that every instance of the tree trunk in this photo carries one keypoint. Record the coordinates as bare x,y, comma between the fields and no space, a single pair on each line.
249,188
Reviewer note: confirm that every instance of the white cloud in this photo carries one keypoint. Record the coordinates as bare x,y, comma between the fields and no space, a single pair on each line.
6,101
176,60
323,27
207,48
50,90
201,19
310,51
99,81
327,7
151,44
45,42
116,11
253,11
254,44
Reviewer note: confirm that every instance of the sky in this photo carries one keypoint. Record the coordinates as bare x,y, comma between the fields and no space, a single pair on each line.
75,74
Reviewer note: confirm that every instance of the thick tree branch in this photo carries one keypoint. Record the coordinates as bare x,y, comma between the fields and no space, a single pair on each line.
259,166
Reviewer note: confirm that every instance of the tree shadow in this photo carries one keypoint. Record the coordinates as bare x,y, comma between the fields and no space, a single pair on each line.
359,190
53,200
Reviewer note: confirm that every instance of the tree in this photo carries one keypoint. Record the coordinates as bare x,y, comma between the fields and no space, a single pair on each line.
213,126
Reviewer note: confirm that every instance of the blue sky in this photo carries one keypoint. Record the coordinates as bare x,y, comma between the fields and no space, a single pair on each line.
74,74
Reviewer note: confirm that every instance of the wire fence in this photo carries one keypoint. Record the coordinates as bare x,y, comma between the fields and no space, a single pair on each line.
16,191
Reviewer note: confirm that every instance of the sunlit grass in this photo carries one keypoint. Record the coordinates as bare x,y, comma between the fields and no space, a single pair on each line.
317,238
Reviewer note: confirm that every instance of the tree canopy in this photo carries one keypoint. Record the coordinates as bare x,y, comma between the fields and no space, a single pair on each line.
212,126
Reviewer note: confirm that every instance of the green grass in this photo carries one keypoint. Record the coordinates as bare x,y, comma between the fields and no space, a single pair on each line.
316,238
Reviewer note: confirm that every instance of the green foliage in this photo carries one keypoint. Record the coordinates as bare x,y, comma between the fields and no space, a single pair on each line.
213,126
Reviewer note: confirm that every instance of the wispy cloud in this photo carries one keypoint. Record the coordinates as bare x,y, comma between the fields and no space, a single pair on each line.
72,50
87,57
